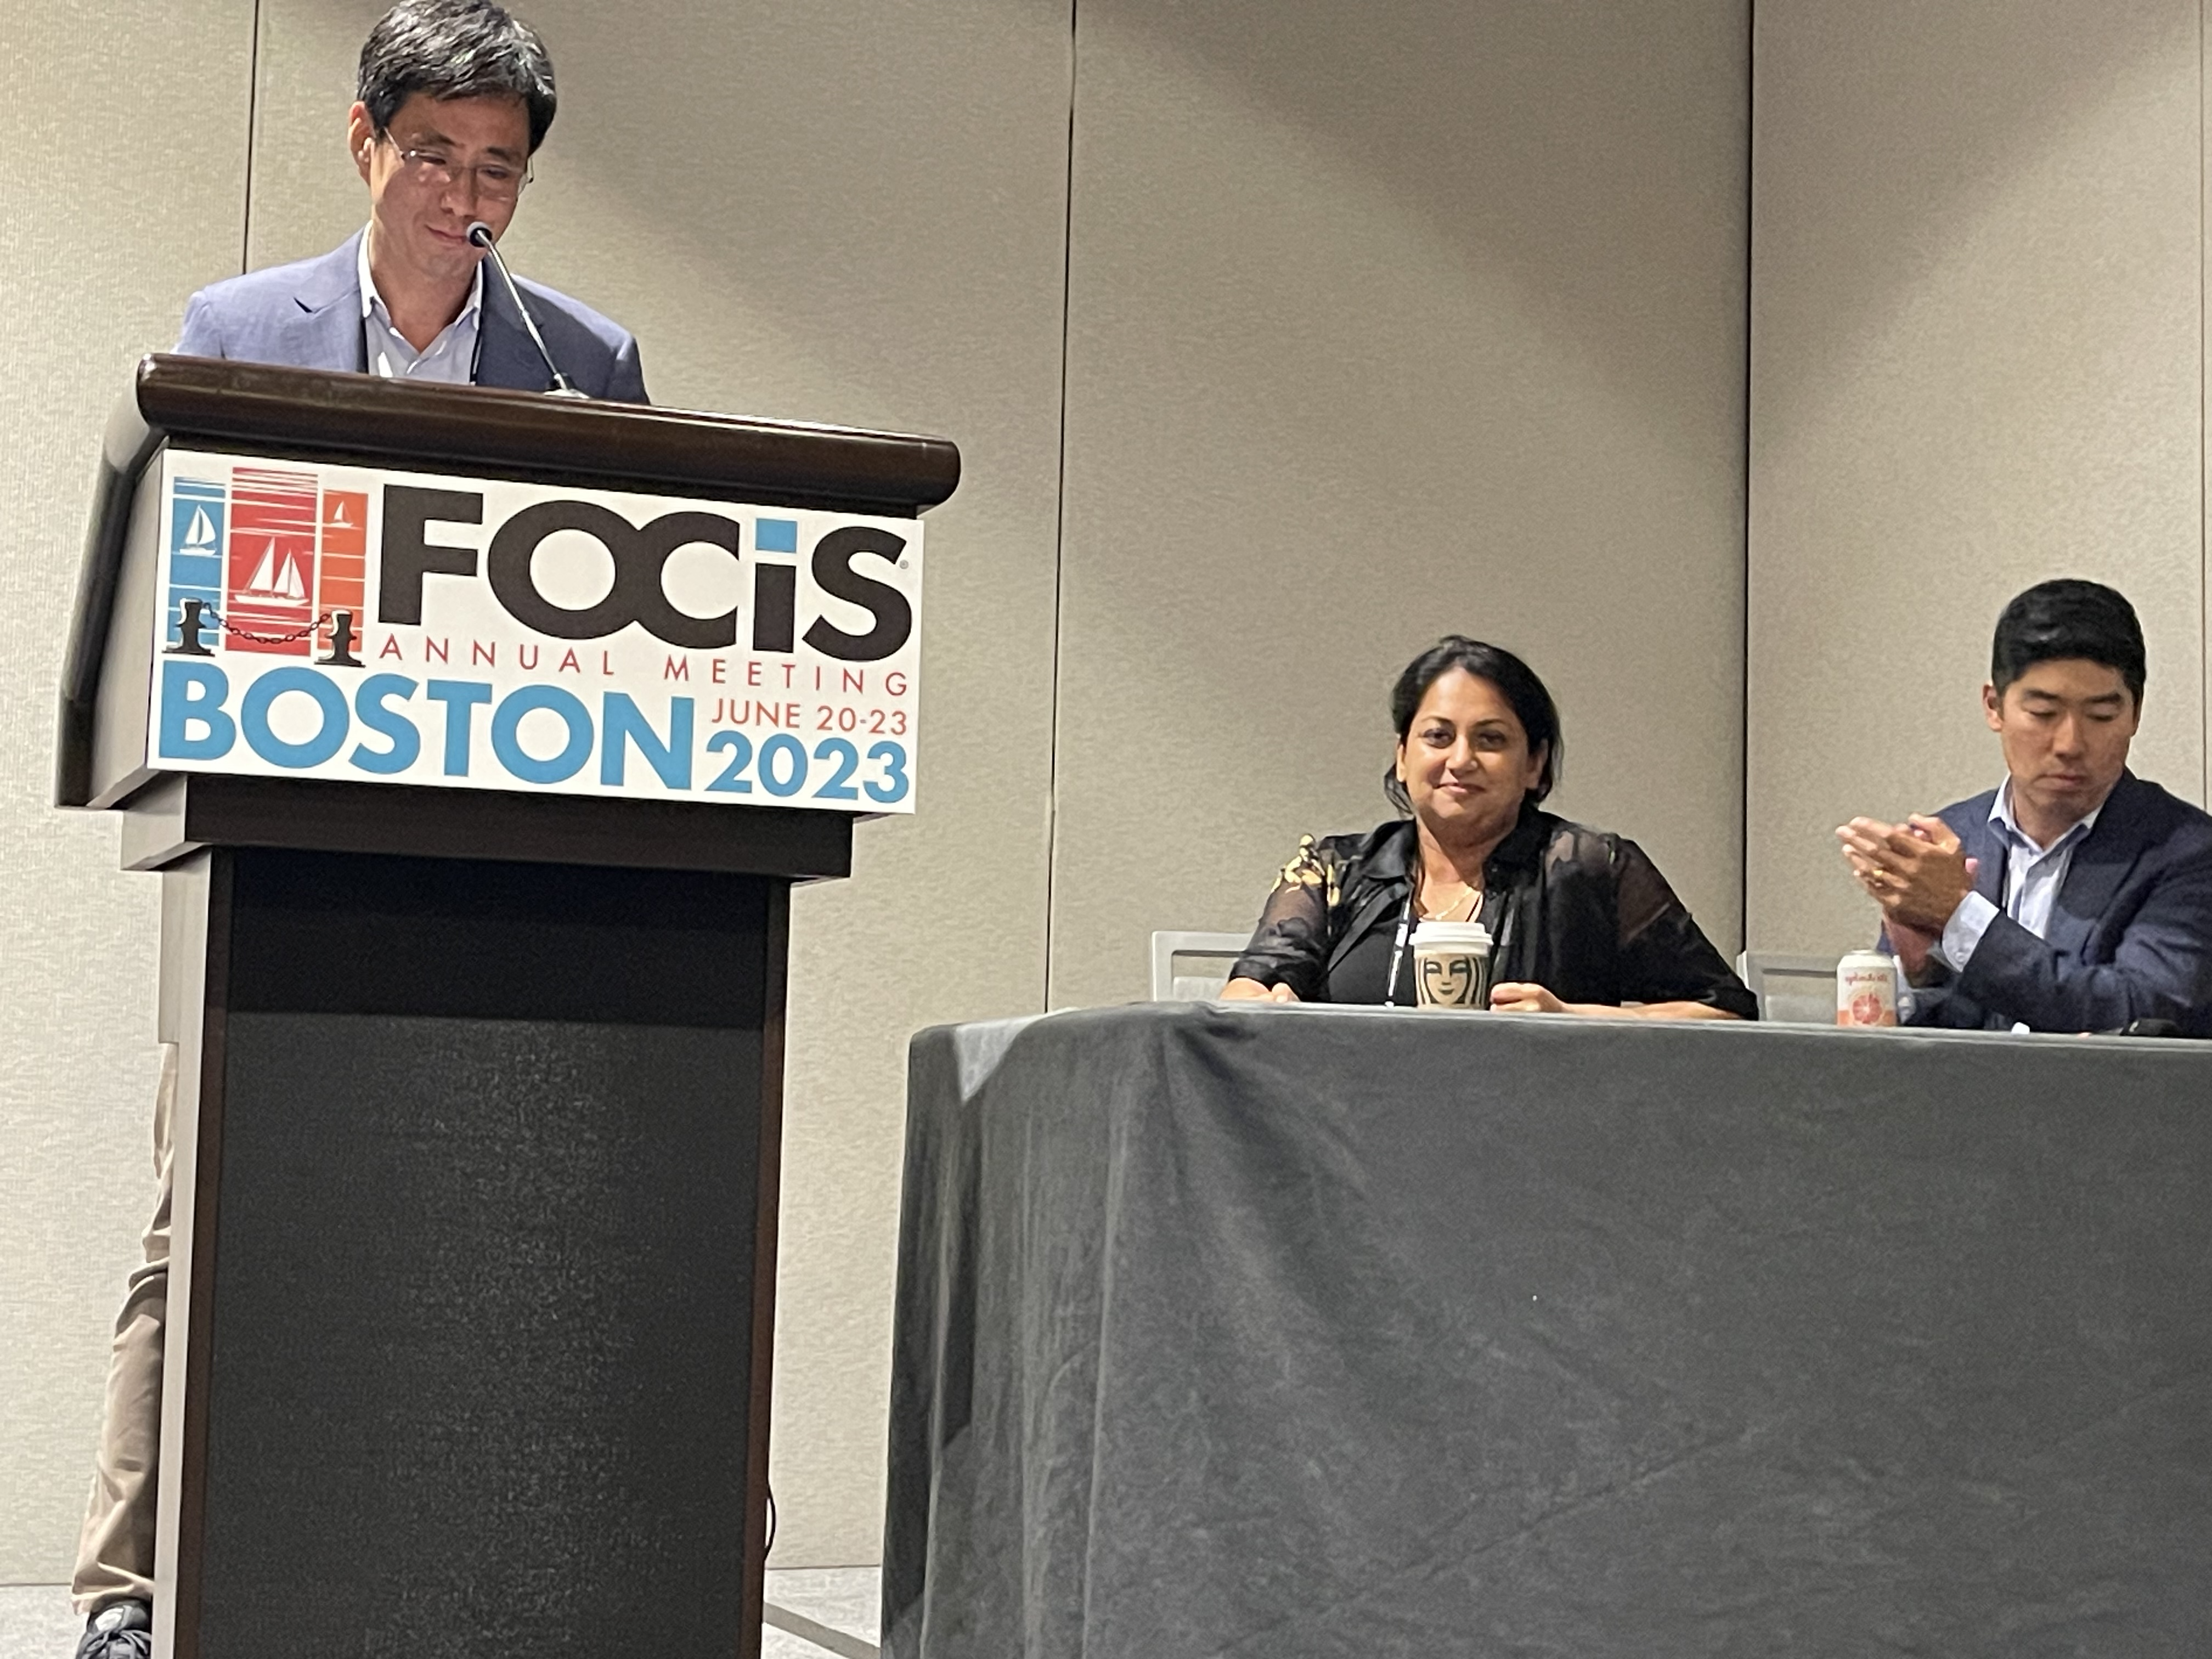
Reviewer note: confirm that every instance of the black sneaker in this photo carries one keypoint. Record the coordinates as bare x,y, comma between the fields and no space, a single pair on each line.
123,1629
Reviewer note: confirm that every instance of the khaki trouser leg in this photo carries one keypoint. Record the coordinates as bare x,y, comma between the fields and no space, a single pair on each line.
115,1551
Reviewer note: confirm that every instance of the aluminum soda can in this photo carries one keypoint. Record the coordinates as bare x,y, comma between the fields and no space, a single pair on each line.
1866,989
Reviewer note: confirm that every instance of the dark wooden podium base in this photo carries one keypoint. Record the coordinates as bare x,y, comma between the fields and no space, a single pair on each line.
474,1252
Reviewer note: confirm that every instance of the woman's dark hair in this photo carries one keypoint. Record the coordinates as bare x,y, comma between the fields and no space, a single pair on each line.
2054,620
1516,683
455,49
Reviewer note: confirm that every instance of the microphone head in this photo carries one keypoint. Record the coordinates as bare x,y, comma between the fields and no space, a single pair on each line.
480,234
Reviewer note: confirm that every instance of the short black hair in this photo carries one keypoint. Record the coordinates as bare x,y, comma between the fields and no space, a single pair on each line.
2068,618
455,49
1516,681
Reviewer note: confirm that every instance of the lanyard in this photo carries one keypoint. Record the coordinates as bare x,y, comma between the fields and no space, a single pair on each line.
1398,949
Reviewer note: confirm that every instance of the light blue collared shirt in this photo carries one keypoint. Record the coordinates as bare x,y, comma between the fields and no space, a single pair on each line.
451,358
2033,876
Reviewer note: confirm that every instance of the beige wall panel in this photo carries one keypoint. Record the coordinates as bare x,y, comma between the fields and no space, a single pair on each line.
122,189
1386,322
1976,357
852,214
307,197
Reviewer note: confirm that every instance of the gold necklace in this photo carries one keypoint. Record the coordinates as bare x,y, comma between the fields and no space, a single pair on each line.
1470,898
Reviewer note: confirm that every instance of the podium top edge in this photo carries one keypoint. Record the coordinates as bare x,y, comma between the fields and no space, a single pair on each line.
612,445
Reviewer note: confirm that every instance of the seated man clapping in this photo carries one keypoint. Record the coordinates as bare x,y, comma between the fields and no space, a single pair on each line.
2075,896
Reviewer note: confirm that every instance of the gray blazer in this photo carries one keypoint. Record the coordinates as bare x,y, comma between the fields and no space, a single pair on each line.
307,315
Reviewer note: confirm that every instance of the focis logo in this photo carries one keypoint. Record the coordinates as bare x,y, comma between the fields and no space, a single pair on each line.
340,621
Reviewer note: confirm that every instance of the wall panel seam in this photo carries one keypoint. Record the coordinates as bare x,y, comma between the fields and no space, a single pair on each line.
1060,504
1743,705
252,140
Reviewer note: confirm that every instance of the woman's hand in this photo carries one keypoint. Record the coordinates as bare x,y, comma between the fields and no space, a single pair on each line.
1516,998
1250,990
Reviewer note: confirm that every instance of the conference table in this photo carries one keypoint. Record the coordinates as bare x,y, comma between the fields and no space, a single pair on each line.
1252,1330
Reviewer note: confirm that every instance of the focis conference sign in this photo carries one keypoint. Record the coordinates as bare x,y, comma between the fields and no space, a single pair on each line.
340,621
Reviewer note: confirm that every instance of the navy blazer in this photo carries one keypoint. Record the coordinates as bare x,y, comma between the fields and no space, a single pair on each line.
307,315
2129,936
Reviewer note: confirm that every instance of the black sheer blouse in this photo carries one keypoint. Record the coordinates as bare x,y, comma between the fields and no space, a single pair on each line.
1582,912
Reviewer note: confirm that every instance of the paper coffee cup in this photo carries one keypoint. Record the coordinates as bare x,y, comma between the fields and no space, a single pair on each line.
1451,965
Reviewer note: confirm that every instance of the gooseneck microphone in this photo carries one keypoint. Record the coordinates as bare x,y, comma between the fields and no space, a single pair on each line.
480,234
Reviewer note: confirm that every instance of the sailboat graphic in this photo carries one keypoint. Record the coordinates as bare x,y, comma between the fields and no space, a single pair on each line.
199,535
267,582
272,571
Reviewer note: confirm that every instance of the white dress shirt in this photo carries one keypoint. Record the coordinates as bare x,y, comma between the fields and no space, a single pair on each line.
451,358
2033,876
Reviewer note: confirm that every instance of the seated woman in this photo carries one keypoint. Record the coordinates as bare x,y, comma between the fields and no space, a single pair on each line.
1582,920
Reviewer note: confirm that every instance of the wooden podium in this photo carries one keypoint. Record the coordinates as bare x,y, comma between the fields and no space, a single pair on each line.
474,1226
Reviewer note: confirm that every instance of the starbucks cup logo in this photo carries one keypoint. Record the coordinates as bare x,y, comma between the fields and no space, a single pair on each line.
1451,964
1448,982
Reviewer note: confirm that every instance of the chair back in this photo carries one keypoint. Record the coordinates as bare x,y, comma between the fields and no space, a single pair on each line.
1194,967
1792,990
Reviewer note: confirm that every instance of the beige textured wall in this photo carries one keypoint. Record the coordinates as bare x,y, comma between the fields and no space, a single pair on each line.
1386,322
1977,361
106,225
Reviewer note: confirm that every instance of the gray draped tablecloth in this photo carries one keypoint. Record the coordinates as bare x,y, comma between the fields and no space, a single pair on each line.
1289,1332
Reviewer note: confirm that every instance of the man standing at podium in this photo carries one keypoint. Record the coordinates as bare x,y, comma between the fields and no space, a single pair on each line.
454,97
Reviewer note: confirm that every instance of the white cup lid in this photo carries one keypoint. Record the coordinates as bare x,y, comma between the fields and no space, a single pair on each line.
1462,933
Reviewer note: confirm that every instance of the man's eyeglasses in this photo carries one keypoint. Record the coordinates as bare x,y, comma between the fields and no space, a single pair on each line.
433,169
